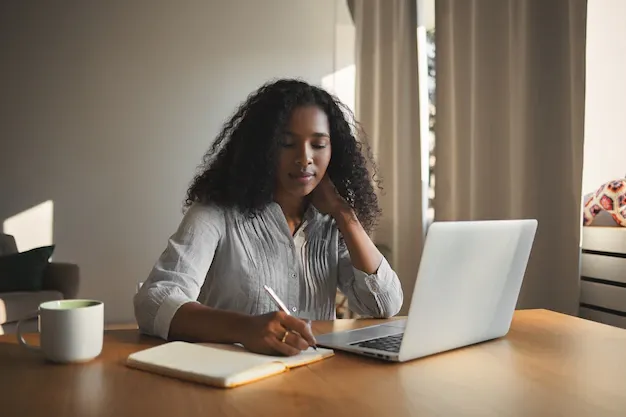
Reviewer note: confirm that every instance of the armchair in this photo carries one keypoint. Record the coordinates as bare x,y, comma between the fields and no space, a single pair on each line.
60,281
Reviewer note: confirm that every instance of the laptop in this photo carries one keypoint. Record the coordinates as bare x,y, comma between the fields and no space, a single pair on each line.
466,292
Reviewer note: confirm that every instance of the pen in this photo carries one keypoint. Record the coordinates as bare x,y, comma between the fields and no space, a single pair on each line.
279,303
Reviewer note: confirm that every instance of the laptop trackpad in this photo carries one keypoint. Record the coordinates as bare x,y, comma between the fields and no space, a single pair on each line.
351,336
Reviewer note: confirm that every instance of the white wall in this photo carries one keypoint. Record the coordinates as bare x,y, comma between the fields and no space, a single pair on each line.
107,107
605,123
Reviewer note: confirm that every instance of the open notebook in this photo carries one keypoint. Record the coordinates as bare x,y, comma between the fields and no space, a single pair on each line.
219,365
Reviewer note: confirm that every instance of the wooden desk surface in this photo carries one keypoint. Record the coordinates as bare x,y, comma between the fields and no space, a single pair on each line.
548,365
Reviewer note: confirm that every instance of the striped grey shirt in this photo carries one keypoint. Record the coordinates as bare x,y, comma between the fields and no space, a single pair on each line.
222,258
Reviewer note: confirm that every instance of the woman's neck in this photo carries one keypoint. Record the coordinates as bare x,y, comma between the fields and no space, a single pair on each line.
293,209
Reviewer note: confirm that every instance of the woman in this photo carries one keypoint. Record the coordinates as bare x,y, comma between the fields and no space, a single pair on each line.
284,199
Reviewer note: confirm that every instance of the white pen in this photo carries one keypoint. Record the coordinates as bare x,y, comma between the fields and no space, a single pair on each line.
279,303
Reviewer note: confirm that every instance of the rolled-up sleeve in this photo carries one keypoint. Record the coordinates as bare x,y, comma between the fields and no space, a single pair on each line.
377,295
180,271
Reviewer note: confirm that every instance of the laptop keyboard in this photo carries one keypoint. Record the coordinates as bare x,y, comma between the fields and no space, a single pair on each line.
386,343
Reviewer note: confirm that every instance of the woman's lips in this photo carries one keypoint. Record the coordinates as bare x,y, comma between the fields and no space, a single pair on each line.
303,178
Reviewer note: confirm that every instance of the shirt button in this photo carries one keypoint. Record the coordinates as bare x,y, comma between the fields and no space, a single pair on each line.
293,275
294,309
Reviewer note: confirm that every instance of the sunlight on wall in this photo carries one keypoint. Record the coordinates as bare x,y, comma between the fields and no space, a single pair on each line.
341,83
33,227
604,94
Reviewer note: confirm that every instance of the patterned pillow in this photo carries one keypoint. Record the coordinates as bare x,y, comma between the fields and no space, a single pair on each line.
610,197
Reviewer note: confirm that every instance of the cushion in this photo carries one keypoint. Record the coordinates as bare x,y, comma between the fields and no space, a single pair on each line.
7,244
19,305
24,271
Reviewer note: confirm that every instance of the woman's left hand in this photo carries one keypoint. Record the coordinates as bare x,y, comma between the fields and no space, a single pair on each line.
326,198
363,253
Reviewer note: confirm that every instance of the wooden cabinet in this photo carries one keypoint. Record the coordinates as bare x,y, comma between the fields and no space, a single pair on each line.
603,275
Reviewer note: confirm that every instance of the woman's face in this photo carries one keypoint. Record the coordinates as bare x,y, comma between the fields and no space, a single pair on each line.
304,152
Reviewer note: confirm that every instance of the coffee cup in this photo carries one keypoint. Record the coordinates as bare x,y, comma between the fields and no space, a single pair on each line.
70,330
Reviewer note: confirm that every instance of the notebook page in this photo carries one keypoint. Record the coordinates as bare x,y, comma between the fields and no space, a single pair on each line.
198,360
307,356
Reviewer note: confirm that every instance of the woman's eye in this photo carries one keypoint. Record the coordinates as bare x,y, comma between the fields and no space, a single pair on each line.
319,146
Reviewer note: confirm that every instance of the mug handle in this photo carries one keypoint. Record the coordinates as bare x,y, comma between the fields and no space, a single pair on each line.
20,338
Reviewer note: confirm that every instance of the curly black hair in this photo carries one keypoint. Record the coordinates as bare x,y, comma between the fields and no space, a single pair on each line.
239,168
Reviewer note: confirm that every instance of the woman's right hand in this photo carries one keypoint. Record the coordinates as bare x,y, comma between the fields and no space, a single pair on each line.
264,334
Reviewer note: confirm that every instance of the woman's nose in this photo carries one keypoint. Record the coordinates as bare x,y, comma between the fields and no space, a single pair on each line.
304,156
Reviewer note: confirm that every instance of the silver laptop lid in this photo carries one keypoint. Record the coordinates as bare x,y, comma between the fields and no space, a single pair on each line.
468,284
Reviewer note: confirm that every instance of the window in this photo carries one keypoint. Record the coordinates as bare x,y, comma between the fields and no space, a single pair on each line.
430,55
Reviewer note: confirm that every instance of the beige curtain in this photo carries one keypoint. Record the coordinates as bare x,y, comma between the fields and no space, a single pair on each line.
387,106
509,128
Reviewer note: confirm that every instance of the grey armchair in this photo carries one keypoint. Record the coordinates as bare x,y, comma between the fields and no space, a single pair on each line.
60,281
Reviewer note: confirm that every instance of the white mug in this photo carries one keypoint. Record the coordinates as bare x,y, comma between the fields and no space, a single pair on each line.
70,330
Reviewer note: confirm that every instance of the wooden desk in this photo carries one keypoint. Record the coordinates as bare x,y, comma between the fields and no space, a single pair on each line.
548,365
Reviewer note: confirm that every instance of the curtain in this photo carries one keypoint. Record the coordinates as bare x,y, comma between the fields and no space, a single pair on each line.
387,107
509,128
